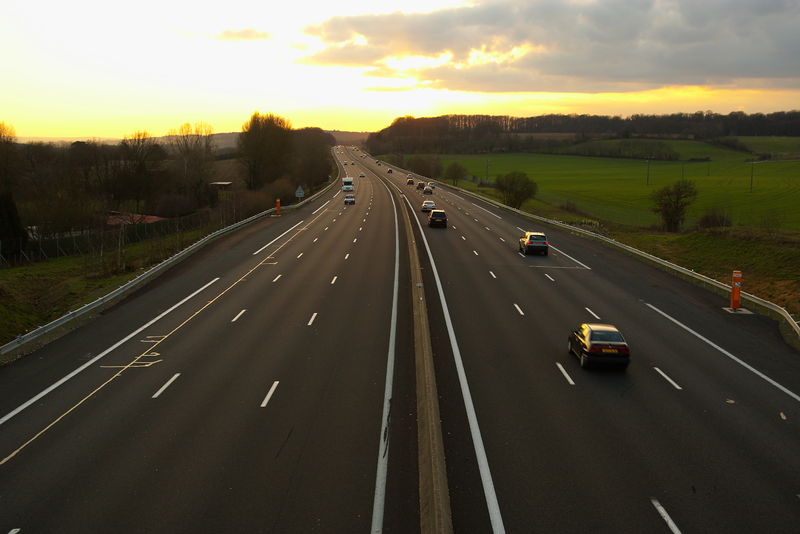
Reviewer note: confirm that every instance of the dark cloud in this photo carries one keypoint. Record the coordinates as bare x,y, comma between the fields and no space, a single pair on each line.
248,34
581,45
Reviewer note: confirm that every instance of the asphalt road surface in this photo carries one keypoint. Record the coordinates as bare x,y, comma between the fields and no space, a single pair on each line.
246,390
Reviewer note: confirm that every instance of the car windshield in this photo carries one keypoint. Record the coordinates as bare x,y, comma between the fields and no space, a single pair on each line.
606,335
537,238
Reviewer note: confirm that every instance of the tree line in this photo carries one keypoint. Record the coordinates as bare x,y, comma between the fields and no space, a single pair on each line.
49,189
488,133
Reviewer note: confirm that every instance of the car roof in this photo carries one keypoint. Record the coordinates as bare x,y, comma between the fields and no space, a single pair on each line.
436,211
600,326
535,233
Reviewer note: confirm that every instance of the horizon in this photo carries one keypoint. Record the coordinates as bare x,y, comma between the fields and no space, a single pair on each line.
356,66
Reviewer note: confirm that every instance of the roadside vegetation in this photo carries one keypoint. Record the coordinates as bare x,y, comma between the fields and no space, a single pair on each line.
79,219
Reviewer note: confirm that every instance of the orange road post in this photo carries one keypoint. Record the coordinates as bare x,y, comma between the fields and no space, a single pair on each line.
736,289
277,206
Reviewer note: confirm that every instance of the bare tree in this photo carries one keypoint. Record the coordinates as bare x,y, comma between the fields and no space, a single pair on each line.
140,153
516,188
455,172
193,149
13,235
671,203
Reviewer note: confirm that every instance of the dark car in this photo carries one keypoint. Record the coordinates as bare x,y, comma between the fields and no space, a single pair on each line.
349,199
437,218
420,185
427,190
595,343
410,181
534,242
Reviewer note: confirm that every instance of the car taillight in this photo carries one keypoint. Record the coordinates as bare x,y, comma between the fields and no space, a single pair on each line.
547,243
595,348
623,350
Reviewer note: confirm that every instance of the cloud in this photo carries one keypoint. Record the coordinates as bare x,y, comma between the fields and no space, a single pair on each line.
578,45
248,34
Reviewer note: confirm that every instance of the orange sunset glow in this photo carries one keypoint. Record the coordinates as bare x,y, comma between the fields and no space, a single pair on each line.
100,69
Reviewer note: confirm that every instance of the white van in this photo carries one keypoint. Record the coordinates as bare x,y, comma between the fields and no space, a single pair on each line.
347,184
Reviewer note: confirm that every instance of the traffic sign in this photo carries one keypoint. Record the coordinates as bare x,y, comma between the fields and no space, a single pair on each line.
299,193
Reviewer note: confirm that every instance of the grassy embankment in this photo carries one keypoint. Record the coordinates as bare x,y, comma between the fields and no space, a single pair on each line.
763,242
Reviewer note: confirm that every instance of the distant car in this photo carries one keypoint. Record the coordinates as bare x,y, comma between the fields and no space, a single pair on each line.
349,199
409,175
599,343
378,162
389,171
432,185
534,242
410,181
437,218
420,185
427,190
428,205
362,175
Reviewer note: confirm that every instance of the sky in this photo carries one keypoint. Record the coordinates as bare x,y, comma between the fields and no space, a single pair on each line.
106,69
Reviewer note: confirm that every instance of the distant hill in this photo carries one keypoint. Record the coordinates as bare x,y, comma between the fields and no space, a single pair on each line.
223,141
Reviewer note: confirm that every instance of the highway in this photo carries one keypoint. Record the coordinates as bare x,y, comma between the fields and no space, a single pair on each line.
267,384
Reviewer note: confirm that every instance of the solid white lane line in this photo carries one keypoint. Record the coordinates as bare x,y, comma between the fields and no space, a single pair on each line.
668,379
493,276
276,278
334,280
750,368
96,358
337,194
570,257
379,499
280,236
165,386
493,506
519,309
237,316
347,255
484,209
665,516
593,314
269,395
299,255
310,321
564,372
549,277
319,208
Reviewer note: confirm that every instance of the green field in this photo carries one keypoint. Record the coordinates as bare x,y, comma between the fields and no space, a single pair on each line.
618,190
771,145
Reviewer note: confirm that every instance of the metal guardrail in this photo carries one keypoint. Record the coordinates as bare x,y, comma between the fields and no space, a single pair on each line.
778,311
142,279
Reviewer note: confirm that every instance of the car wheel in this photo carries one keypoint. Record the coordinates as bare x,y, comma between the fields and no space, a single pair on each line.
545,253
584,361
569,347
